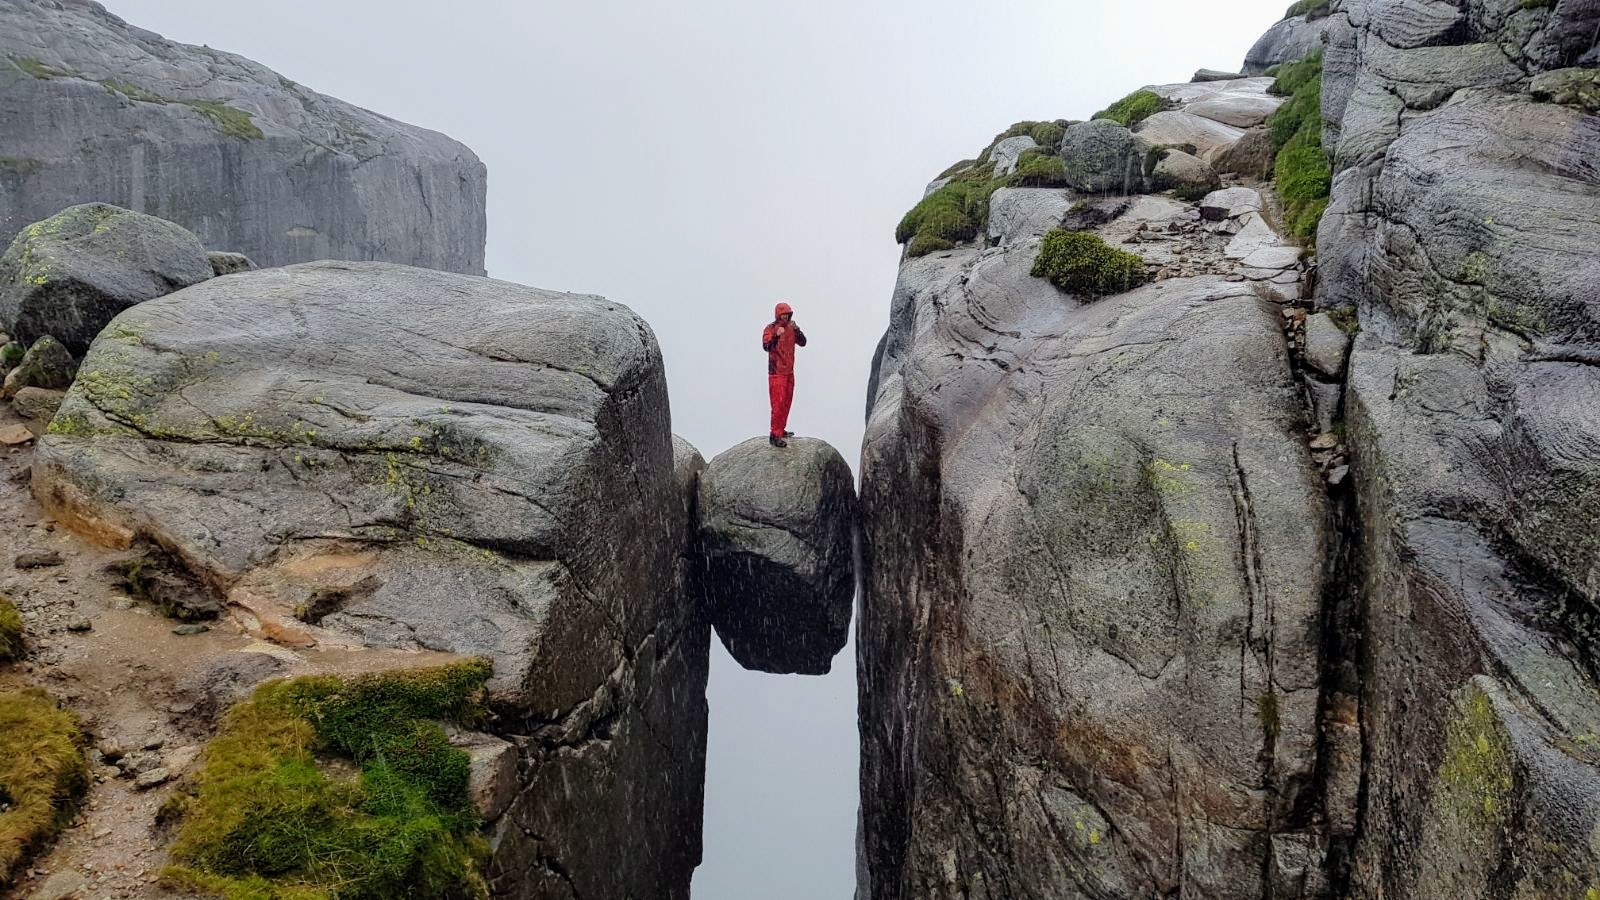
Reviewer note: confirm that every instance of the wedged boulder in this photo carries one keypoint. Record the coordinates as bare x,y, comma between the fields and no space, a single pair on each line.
95,109
1102,157
1006,153
366,455
45,365
1252,155
37,404
70,274
777,535
1177,169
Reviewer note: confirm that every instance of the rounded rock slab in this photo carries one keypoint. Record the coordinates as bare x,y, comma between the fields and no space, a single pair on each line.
777,530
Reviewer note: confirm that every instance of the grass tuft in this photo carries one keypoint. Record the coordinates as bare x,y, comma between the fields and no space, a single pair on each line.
267,819
42,772
1037,169
1079,262
1301,170
10,631
1132,109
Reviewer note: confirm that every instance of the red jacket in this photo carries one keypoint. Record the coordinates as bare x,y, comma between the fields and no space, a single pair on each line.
780,348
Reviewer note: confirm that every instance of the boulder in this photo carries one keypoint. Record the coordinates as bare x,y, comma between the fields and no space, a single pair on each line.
364,455
1177,169
95,109
230,263
1102,157
1327,346
777,531
1178,127
37,404
1202,76
1006,153
1293,38
46,365
1017,214
1573,87
70,274
1251,156
1230,203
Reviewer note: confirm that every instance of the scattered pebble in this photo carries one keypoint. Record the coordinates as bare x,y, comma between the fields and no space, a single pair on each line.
80,626
191,628
152,778
37,559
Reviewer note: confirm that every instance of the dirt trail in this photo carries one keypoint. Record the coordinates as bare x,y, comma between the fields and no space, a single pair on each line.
134,683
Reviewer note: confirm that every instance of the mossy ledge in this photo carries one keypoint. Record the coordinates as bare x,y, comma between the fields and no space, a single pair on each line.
42,773
268,815
1300,170
1133,109
1079,262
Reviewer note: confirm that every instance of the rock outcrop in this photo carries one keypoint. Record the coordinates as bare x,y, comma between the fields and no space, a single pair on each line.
1092,593
777,538
1461,236
1215,588
95,109
70,274
373,456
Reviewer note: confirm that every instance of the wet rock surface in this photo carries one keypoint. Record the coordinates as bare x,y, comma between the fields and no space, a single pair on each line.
419,454
95,109
777,538
70,274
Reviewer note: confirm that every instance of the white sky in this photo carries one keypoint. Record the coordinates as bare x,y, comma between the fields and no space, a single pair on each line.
698,161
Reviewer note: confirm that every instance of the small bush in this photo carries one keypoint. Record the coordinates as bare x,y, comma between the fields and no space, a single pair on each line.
42,772
1301,169
10,631
1132,109
1037,169
1081,263
266,820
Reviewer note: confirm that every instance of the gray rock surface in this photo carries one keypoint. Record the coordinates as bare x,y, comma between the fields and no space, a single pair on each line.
1089,632
369,455
38,404
1293,38
1177,127
1006,153
70,274
94,109
1461,233
1327,346
777,534
1102,157
1021,213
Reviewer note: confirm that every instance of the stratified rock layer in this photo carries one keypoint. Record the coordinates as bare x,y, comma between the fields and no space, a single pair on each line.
369,455
777,535
94,109
1461,234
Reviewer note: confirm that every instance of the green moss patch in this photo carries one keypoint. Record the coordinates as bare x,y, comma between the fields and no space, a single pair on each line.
1134,108
42,772
1038,169
1300,169
954,213
39,69
1046,134
1475,778
1079,262
269,816
10,631
1313,9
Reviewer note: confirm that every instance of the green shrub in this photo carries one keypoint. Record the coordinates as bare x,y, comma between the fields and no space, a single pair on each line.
1301,169
266,820
1308,8
1079,262
954,213
10,631
42,772
1037,169
1134,108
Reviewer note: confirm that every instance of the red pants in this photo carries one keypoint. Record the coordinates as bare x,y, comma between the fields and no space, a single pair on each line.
781,389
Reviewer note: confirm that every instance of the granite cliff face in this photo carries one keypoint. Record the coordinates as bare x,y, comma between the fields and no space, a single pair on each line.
93,109
1181,591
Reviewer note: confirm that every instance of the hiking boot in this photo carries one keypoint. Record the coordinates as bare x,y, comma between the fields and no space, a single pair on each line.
777,441
788,434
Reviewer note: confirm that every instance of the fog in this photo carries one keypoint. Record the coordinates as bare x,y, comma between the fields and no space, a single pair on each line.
698,162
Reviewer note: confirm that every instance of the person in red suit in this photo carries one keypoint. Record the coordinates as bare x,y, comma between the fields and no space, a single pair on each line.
779,340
